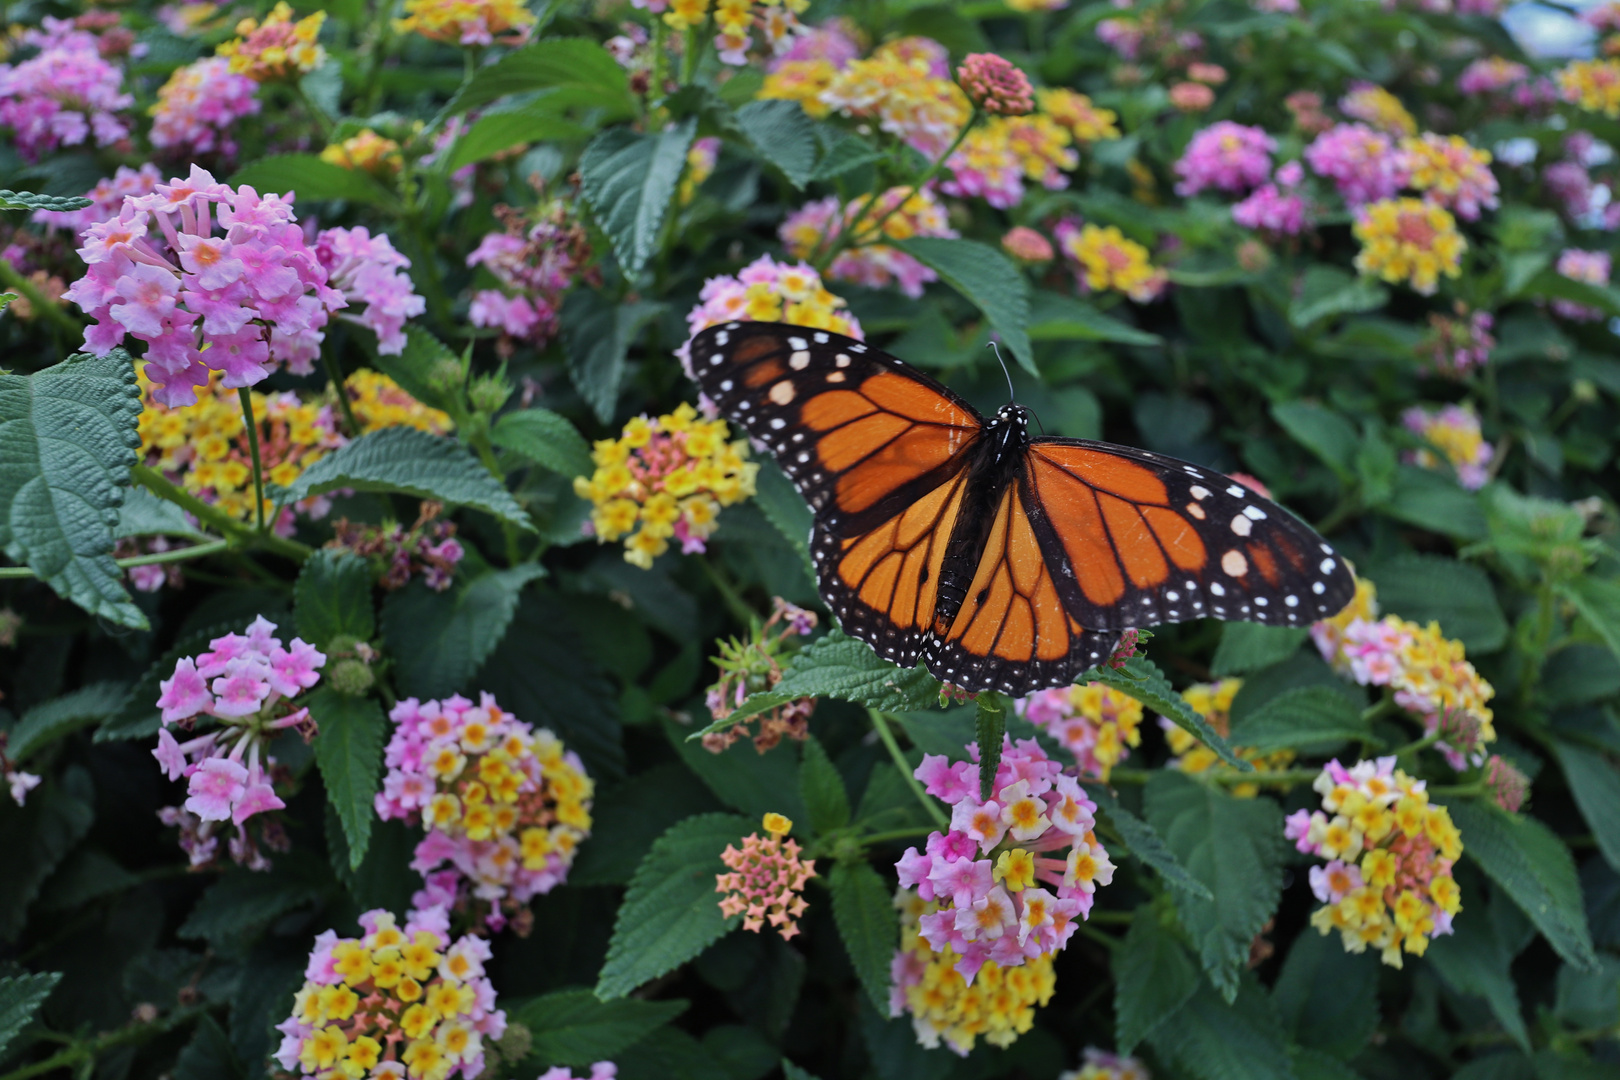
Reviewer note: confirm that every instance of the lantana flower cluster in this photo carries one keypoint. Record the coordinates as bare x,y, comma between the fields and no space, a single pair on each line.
1594,85
1450,172
106,199
752,667
903,213
1377,107
1225,156
1278,207
427,550
1096,723
366,151
1036,826
66,95
1589,267
199,105
504,804
766,879
998,1004
1409,241
245,683
1454,431
1457,345
278,48
1105,258
905,86
1213,701
536,259
735,19
1389,850
663,479
1361,163
1098,1064
769,291
1490,75
467,22
1429,673
368,270
395,1002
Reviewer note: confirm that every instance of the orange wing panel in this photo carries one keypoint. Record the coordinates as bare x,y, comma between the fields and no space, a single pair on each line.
1133,542
1107,472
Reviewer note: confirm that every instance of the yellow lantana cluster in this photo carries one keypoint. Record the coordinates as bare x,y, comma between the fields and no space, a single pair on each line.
379,402
277,48
366,152
665,478
465,22
1095,723
1106,259
1085,121
1213,701
1408,240
1594,85
999,1006
899,87
1379,108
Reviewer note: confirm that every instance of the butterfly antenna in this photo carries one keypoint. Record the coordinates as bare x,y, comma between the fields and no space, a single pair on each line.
1012,394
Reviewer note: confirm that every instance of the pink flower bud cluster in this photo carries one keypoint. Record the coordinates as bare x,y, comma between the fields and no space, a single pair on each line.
239,303
245,682
1225,156
1361,162
199,105
535,264
1490,74
1278,207
1036,826
106,199
767,879
995,84
874,265
62,97
367,270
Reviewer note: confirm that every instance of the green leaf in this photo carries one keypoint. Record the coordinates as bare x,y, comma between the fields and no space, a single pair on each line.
628,817
791,1071
577,64
863,908
1211,1039
1458,596
671,911
1142,680
574,1028
989,280
744,779
846,154
418,368
1311,719
822,789
438,640
144,514
411,462
783,135
1473,961
1551,285
1595,782
311,179
1534,867
547,439
1327,290
37,837
332,598
1235,847
1144,843
349,753
1598,601
1433,501
1055,317
208,1056
1321,431
628,180
20,998
989,730
497,131
1247,646
1326,998
784,507
52,720
241,902
67,439
27,200
1153,977
598,333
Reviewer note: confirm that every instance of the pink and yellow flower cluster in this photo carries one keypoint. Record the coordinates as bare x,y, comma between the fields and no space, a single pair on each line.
1104,258
1453,431
1213,701
278,48
467,22
897,214
199,105
1096,723
766,879
769,291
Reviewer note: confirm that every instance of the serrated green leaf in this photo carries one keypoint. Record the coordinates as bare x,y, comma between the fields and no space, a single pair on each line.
208,1056
1247,646
989,280
628,179
144,514
494,132
1211,1039
1473,961
846,154
545,438
348,750
312,179
1534,868
1311,719
1235,847
1460,597
20,998
628,817
417,367
574,1028
27,200
411,462
1326,998
1144,843
1315,1065
1153,978
598,334
1142,680
783,135
863,908
37,837
742,778
332,598
1598,601
1595,782
242,902
989,730
1433,501
52,720
67,440
1327,290
671,911
1322,431
785,508
438,640
571,63
822,789
1055,317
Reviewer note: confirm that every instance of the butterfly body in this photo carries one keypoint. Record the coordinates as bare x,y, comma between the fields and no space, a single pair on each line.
1002,561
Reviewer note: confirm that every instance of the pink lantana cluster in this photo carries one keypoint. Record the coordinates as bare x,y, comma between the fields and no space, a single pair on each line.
1278,207
65,95
601,1070
1036,826
833,41
994,84
1590,267
1361,162
1094,722
368,270
904,213
1450,173
245,683
504,805
1225,156
1455,346
1098,1064
769,291
1490,74
199,105
106,199
241,303
766,880
535,262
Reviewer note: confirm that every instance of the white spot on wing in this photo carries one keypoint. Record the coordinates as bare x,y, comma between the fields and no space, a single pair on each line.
1242,525
1199,492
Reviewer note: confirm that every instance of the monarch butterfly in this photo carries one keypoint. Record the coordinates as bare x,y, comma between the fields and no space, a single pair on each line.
1004,562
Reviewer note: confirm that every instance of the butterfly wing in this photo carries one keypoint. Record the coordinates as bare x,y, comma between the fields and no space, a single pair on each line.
1136,539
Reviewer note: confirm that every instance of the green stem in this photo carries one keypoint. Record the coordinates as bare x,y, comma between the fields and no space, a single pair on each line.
486,453
1129,776
334,371
660,50
728,592
881,726
196,551
1111,918
380,35
1285,776
1099,937
694,51
94,1048
895,834
246,397
1466,791
42,304
155,482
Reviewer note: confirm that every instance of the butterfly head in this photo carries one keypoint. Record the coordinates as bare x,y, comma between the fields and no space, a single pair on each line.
1011,415
1009,429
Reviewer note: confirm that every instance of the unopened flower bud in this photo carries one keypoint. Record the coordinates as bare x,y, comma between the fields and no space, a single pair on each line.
995,85
488,393
352,677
